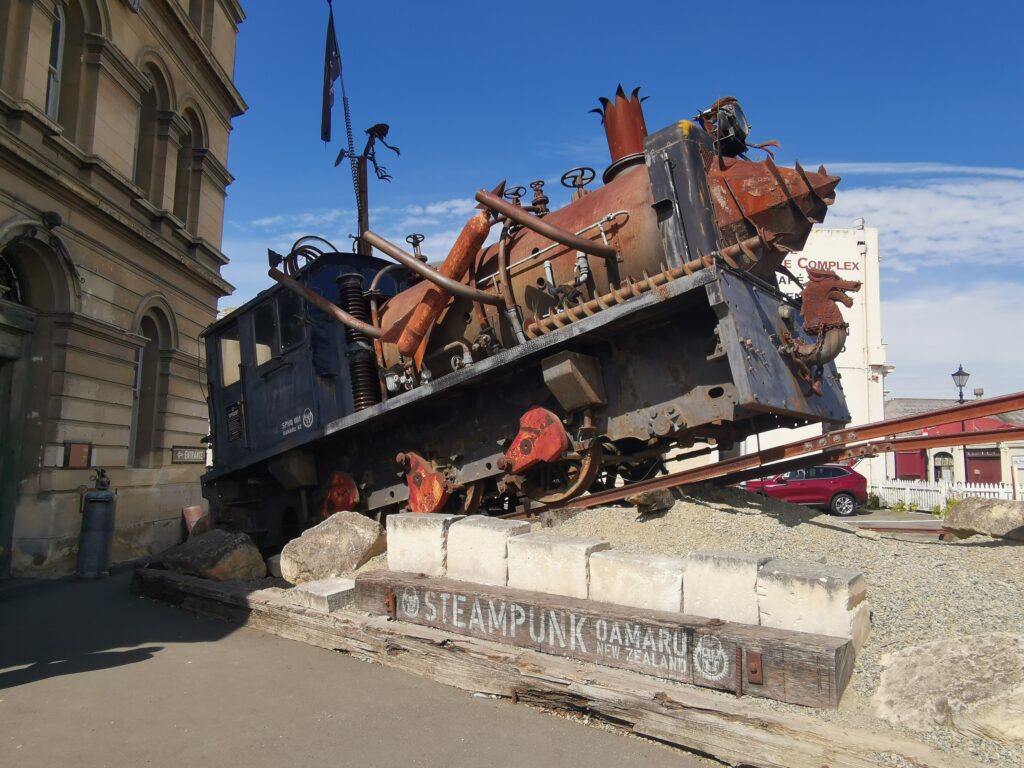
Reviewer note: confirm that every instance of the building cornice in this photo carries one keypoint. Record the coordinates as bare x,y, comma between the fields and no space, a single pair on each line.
99,50
235,11
99,329
210,164
24,154
228,91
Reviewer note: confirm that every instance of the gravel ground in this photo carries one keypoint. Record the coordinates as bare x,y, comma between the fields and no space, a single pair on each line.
918,591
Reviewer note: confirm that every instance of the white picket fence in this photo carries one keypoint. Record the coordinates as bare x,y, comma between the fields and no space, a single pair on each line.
927,496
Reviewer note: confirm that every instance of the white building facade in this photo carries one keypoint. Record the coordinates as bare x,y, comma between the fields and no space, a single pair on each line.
853,255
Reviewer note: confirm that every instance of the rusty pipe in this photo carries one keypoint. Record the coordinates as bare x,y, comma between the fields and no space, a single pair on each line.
324,305
512,312
465,249
740,255
506,283
429,273
378,346
545,228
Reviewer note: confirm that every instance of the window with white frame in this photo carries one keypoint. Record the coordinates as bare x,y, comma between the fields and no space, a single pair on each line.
55,62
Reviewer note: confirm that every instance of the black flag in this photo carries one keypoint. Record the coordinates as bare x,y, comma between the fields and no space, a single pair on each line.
332,71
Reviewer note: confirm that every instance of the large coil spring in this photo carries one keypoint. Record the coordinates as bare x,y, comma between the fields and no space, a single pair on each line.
361,364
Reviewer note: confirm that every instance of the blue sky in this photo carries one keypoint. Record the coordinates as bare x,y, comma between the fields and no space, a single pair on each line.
917,107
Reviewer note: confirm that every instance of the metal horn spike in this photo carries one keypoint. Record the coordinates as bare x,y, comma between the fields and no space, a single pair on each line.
498,191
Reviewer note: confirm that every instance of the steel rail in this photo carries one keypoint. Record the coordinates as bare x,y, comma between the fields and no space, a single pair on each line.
873,448
830,446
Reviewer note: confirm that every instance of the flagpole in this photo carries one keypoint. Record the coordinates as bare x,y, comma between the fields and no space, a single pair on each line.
332,52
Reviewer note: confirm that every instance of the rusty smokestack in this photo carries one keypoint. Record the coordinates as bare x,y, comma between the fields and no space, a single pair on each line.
624,126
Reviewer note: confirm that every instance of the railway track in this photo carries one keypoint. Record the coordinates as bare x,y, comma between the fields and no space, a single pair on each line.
839,445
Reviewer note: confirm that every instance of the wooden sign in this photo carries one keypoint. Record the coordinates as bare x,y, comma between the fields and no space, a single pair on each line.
77,455
794,667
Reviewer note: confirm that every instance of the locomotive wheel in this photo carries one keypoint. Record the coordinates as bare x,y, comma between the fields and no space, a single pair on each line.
560,481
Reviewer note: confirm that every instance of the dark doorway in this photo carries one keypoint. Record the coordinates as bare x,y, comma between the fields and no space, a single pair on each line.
16,325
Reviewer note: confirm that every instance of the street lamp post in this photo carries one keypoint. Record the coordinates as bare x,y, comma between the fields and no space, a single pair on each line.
960,377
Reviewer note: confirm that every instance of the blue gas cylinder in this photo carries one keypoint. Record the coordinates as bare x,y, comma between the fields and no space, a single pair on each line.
98,507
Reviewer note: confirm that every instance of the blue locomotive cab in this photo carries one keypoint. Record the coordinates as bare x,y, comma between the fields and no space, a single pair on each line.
280,368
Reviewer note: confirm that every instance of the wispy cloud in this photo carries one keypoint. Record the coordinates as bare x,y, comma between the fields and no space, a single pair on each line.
931,331
924,169
304,219
936,221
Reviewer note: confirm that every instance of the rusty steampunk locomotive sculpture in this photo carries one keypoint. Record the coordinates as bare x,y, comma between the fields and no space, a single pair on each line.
576,351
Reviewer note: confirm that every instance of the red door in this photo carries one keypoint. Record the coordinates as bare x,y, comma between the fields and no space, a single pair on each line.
983,467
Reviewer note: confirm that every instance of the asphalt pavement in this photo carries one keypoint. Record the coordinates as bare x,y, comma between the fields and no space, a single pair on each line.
92,676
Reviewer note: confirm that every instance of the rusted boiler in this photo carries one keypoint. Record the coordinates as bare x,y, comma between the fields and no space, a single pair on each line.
582,346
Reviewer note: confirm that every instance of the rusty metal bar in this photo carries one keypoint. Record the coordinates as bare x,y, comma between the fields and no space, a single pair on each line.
544,227
866,450
324,305
444,283
924,442
572,314
834,446
973,409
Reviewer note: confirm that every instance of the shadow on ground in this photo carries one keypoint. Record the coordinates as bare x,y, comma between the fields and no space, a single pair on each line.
67,626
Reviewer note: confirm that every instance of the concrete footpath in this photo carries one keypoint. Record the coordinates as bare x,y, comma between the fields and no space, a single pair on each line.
91,676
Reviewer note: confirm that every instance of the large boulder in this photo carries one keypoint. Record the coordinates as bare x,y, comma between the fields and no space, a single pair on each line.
340,544
1001,518
217,554
1000,718
974,684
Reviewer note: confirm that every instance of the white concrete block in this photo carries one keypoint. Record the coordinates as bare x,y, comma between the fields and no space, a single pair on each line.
274,566
808,597
546,562
640,581
418,543
478,549
324,595
722,585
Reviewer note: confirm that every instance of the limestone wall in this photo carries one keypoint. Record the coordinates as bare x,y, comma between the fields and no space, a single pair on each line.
120,265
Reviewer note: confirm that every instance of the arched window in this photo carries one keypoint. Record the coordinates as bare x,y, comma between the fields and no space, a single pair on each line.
67,94
143,172
943,466
188,177
183,177
200,12
10,284
53,71
150,393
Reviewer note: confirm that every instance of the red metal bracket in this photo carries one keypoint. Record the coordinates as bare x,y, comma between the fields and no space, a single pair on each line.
428,488
755,669
342,495
541,438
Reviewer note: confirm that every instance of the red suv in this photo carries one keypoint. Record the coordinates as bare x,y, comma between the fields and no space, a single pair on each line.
832,485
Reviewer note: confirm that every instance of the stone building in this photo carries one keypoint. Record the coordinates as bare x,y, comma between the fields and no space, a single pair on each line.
114,125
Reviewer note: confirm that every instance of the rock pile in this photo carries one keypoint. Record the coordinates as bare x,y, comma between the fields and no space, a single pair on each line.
999,518
338,545
219,555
